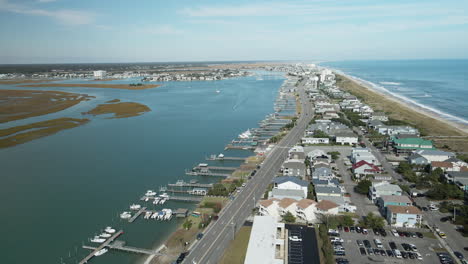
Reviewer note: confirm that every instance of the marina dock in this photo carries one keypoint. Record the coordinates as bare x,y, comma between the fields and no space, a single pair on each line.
135,216
246,147
210,168
190,184
103,245
214,157
120,245
199,173
186,198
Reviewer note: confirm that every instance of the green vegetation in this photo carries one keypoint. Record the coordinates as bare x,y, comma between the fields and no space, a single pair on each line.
320,134
463,157
120,110
216,206
96,85
224,189
21,134
290,125
396,122
237,250
334,154
326,247
363,187
404,188
310,192
289,218
342,120
187,224
423,177
354,118
444,191
333,221
372,221
277,138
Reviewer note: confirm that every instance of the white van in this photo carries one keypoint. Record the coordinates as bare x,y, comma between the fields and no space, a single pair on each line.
397,253
378,243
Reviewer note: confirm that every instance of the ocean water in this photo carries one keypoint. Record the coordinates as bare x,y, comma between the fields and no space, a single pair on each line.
440,86
57,192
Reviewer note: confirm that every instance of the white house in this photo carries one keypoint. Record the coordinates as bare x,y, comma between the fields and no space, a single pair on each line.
304,209
290,183
310,140
346,137
404,216
99,74
267,241
379,116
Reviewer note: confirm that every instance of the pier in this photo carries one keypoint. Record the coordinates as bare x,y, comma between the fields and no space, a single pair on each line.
247,147
134,217
195,173
189,184
209,168
103,245
120,245
214,157
186,198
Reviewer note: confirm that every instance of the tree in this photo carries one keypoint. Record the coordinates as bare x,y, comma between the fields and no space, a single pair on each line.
405,188
310,192
289,218
363,187
445,191
187,224
347,220
334,154
372,221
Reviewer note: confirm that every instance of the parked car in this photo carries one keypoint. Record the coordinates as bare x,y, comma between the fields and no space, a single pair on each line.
295,238
346,229
367,244
383,232
358,229
390,253
392,245
363,251
458,255
199,236
359,242
370,252
419,234
352,229
364,231
395,233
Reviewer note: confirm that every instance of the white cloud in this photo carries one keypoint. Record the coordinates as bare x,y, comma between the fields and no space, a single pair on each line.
160,30
64,16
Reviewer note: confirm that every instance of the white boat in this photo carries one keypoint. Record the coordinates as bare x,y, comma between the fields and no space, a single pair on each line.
164,195
246,134
135,207
221,155
125,215
105,235
146,199
97,239
218,91
161,215
147,215
168,214
163,200
101,252
154,216
109,230
156,200
150,193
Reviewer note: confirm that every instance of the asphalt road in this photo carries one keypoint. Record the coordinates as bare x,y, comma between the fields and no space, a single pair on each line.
218,235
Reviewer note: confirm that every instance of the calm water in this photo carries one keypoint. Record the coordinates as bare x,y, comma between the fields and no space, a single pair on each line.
438,85
59,191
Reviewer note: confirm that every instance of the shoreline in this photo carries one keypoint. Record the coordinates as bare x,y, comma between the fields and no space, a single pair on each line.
97,85
405,102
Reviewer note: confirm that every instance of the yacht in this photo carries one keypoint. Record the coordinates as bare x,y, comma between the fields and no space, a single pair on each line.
105,235
101,252
164,195
218,91
156,200
161,215
125,215
155,215
221,156
163,200
150,193
97,239
148,215
246,134
168,214
135,207
109,230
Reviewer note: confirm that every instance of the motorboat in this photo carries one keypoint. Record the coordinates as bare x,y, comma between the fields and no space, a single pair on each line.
221,156
148,215
146,199
156,200
125,215
135,207
101,252
246,134
154,215
164,195
97,239
168,214
163,200
109,230
161,215
218,91
105,235
150,193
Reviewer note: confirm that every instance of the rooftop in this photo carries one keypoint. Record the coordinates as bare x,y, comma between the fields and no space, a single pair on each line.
326,205
296,180
400,209
296,194
396,198
262,242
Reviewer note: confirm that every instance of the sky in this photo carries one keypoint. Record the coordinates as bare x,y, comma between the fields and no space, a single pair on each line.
67,31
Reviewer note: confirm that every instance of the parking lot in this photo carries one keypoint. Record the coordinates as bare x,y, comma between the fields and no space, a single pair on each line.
424,246
303,251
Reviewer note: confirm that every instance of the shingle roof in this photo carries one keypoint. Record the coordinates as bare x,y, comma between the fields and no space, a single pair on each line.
400,209
285,202
326,205
304,203
430,152
327,189
396,198
441,164
299,194
266,203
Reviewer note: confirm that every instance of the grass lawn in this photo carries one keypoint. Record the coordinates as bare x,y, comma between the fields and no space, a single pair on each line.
429,235
237,250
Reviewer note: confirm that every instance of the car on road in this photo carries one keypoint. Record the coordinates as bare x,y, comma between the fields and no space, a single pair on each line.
363,251
458,255
199,236
181,257
295,238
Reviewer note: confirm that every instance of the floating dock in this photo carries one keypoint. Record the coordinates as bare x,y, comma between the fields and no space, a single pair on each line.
214,157
199,173
186,198
189,184
103,245
247,147
214,168
120,245
135,216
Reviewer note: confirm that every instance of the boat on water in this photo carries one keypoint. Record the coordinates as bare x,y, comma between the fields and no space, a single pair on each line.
218,91
156,200
125,215
147,215
160,215
150,193
101,252
221,155
135,207
246,134
97,239
163,200
164,195
105,235
167,214
154,215
109,230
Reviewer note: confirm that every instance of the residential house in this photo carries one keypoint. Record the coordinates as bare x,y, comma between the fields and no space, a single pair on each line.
396,130
378,116
416,159
383,188
322,172
404,216
314,141
306,210
363,168
294,167
326,207
435,155
296,152
346,138
287,193
460,178
406,145
358,154
452,164
386,200
291,183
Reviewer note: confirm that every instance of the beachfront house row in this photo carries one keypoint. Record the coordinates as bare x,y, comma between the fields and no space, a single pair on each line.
379,189
346,138
267,241
290,183
397,130
294,167
410,144
404,216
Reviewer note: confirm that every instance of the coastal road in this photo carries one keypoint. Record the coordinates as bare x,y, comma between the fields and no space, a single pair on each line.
218,235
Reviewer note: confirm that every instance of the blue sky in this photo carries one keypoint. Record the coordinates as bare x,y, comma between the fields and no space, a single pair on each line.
46,31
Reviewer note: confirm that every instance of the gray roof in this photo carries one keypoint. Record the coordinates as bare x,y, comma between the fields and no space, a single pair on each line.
318,182
395,198
327,189
430,152
283,179
345,133
336,199
282,193
458,174
294,164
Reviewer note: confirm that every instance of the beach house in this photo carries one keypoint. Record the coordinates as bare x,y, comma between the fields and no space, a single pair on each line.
379,189
404,216
266,242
